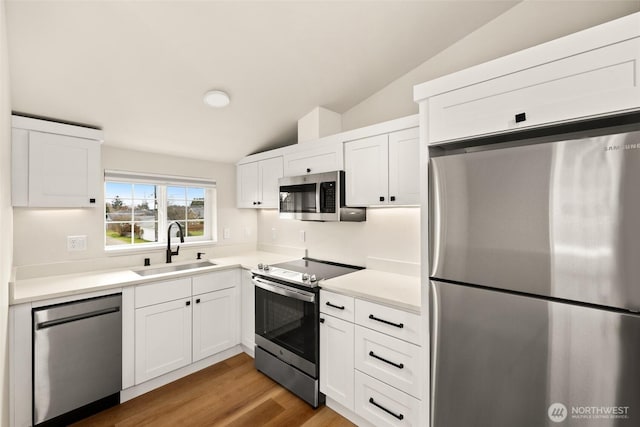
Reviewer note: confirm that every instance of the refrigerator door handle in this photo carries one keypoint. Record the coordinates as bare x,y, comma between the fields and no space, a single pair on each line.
434,334
435,222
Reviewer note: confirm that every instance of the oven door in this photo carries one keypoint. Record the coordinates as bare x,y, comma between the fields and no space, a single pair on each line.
287,324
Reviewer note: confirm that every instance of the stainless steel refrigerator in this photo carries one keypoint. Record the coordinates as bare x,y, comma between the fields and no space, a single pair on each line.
535,281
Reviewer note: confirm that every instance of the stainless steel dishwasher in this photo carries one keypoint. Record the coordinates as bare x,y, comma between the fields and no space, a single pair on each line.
77,359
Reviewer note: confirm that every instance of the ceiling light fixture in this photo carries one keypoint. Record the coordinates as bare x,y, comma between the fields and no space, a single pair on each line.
216,98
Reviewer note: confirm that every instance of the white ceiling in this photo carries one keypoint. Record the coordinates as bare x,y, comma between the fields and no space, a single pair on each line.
139,69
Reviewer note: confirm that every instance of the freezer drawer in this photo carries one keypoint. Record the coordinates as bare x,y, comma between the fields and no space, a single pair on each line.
77,356
501,360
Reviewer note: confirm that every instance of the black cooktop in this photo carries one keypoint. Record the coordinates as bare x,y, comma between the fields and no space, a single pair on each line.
305,272
322,269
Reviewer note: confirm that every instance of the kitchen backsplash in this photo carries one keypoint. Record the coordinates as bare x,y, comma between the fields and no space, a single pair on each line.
389,236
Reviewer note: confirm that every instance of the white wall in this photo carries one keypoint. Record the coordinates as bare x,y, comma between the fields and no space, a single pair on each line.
6,230
527,24
387,234
41,234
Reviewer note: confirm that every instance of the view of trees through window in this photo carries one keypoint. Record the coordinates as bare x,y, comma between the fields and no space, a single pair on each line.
132,212
186,205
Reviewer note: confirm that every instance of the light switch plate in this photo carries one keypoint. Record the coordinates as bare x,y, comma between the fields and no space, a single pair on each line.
76,243
226,233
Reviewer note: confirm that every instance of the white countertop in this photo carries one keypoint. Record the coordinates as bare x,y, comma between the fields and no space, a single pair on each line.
42,288
392,289
395,290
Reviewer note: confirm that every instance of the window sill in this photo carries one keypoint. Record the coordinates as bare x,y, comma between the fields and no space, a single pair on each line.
156,247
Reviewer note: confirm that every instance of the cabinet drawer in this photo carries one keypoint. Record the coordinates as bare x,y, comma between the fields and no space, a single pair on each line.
216,281
390,321
600,81
158,292
337,305
383,405
388,359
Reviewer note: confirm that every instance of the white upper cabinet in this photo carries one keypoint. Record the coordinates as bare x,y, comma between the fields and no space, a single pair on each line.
326,157
55,165
257,185
247,185
383,169
404,167
367,171
589,74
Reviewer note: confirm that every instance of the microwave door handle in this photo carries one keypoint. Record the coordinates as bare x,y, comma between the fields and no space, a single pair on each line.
302,296
318,190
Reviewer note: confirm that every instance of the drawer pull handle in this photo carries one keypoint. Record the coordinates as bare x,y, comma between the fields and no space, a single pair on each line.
521,117
397,365
377,405
339,307
397,325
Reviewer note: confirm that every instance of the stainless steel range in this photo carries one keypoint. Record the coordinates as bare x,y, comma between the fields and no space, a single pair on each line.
287,322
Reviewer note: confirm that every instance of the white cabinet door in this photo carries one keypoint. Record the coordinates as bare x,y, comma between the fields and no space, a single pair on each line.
326,158
257,185
247,191
404,167
248,311
337,360
269,171
64,171
591,83
366,169
162,338
215,322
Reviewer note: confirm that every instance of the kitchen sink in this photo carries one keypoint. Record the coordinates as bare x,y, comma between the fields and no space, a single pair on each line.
172,268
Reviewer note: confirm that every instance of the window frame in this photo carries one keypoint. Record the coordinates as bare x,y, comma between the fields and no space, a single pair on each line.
162,182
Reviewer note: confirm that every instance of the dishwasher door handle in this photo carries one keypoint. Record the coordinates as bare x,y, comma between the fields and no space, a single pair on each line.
76,317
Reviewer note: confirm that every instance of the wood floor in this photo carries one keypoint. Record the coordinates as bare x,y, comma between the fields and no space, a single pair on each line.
230,393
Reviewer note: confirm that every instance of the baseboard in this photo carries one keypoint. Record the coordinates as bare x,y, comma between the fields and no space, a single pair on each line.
251,351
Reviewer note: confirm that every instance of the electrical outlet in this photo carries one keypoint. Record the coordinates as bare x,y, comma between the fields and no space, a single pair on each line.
274,234
76,243
247,232
303,235
226,233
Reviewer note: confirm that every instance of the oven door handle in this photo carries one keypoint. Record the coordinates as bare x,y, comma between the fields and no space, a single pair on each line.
281,290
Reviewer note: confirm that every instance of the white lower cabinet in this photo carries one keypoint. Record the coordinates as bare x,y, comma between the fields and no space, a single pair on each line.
175,327
364,366
336,359
248,304
215,326
383,405
163,338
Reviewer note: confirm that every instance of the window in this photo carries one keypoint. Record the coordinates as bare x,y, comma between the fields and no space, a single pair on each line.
139,209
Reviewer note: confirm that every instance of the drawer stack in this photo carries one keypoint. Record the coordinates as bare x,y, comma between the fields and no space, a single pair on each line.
370,359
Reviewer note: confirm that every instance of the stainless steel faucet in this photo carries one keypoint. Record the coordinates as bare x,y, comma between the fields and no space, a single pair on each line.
169,251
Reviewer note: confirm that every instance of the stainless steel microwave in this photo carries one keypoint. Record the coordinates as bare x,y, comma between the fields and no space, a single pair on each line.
316,197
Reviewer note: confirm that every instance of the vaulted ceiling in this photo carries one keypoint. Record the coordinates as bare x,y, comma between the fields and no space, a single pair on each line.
139,69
